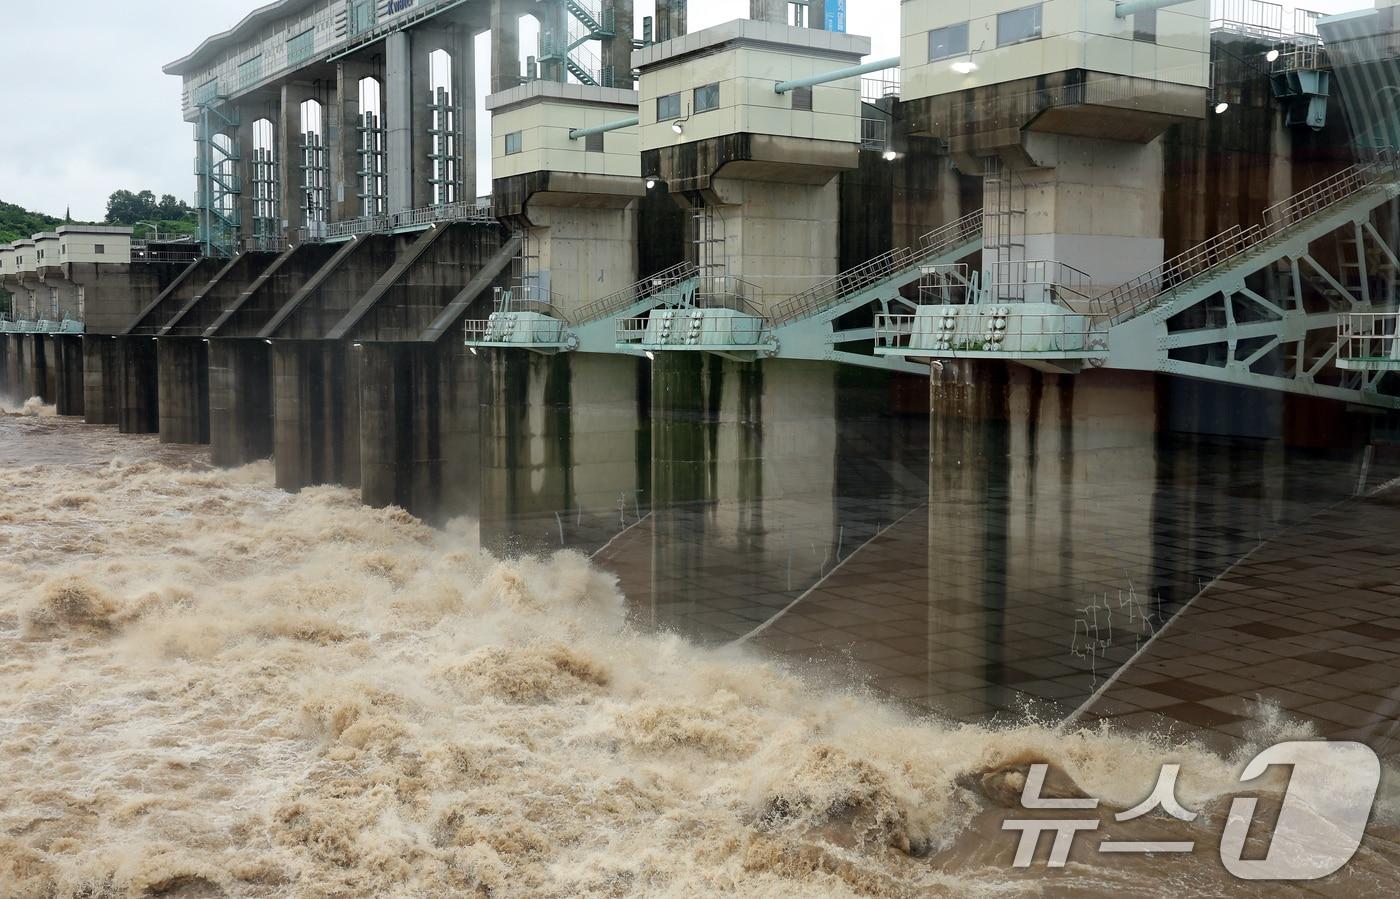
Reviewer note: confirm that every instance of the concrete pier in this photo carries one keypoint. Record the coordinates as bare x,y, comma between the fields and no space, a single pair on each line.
240,402
102,385
182,368
316,414
419,428
139,410
67,366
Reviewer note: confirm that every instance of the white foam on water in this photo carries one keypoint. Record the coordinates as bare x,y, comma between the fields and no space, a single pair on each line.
212,688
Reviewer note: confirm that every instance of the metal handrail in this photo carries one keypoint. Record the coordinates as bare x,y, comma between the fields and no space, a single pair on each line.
830,292
644,289
730,292
1035,333
742,331
1369,337
506,330
1143,292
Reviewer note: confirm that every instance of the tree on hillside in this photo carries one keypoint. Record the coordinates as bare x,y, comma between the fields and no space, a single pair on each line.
127,208
17,223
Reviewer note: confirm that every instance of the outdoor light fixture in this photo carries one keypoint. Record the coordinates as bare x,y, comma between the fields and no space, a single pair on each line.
891,156
268,342
678,127
1221,107
473,349
1272,55
965,66
651,356
651,183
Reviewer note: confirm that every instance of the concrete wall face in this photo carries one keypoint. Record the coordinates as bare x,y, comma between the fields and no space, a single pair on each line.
585,253
1092,204
781,237
182,366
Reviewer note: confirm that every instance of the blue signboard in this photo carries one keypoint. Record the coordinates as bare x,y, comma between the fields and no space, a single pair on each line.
836,15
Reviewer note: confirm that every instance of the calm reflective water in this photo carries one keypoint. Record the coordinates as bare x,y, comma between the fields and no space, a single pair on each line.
1008,553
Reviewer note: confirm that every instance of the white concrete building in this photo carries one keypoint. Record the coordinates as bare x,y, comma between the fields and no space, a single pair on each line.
720,81
953,45
94,243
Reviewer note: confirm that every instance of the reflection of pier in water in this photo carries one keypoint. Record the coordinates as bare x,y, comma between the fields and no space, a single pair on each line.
1012,549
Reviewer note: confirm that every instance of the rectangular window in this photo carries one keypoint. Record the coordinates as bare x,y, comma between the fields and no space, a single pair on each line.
945,43
802,99
707,98
515,143
361,15
99,249
593,143
206,92
1145,26
668,107
1019,25
302,47
250,71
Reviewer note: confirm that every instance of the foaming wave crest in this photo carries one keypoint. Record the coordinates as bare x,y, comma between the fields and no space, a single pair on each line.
211,688
34,407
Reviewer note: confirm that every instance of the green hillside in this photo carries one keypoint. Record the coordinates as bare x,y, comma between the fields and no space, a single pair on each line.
17,223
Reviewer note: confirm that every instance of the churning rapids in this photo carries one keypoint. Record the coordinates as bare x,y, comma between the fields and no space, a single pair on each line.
212,688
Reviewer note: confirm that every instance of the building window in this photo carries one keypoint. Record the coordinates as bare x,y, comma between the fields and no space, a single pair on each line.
802,99
515,142
206,92
668,107
361,15
945,43
707,98
593,143
1145,26
1019,25
301,47
99,249
250,71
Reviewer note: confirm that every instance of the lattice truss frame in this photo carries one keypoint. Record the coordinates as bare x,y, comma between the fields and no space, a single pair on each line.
1273,324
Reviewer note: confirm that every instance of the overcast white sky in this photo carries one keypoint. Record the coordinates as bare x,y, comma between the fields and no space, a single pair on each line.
90,111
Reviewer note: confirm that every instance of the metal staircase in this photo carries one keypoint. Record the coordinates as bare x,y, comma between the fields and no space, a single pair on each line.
584,25
1266,306
881,278
216,168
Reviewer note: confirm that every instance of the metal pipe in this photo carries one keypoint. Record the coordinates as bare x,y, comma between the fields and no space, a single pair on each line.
1128,7
865,69
576,133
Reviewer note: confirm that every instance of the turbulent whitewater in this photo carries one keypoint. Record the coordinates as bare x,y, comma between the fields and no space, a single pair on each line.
212,688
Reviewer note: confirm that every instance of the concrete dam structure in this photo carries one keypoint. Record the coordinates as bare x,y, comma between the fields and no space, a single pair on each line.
1189,199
